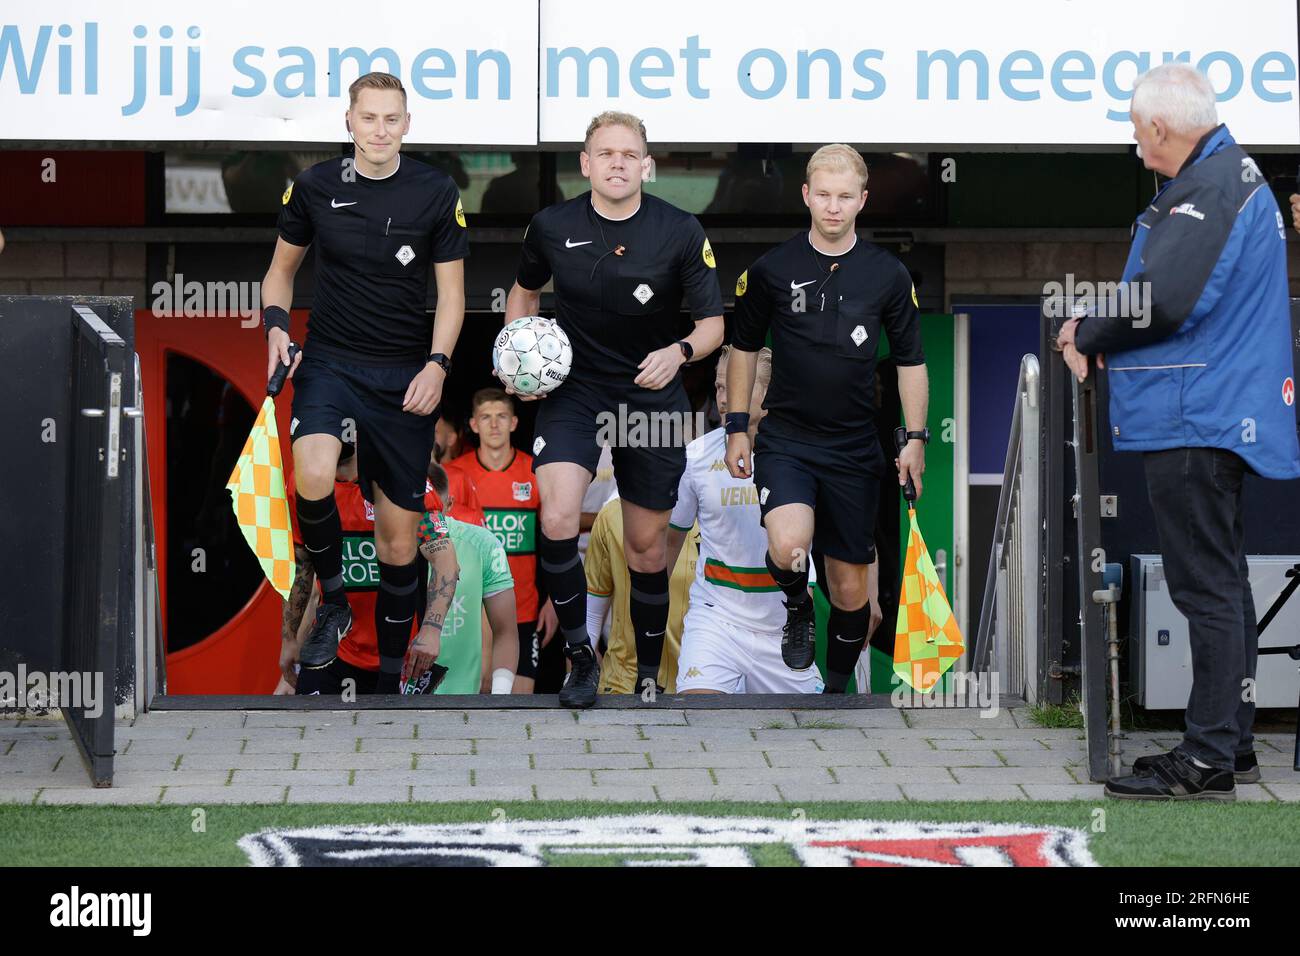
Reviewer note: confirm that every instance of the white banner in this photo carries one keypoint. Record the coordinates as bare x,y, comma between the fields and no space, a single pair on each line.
248,71
934,72
941,72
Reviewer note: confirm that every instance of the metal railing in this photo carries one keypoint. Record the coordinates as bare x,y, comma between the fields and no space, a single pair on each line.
1010,631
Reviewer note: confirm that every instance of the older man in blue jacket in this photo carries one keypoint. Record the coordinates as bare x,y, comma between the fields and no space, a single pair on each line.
1201,382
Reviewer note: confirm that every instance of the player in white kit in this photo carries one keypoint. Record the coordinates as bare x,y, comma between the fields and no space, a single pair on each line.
731,638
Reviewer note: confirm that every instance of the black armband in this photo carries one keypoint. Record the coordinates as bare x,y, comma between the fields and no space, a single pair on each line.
274,317
737,422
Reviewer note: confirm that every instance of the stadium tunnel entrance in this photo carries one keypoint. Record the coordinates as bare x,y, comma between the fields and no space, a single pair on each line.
204,379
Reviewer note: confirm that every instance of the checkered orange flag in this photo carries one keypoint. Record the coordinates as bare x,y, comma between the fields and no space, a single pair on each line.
926,641
258,497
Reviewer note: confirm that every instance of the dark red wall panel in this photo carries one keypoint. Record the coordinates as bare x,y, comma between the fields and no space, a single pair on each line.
102,188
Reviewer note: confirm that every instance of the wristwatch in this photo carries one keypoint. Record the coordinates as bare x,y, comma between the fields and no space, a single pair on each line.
441,359
687,350
923,434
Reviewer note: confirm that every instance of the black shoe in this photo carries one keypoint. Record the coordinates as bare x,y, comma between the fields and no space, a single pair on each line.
1245,767
799,636
579,690
1173,776
333,621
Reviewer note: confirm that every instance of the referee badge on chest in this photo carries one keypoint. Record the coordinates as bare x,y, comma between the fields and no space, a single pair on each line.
643,293
858,335
404,255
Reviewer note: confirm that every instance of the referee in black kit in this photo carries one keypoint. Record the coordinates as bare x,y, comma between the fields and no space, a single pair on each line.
622,263
825,296
371,362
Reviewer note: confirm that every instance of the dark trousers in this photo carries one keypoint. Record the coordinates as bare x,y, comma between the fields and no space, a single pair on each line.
1196,494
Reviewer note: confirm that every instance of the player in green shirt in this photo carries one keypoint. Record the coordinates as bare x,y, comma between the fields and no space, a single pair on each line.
485,584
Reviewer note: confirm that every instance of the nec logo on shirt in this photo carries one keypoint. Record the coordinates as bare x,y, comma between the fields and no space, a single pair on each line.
1187,209
521,490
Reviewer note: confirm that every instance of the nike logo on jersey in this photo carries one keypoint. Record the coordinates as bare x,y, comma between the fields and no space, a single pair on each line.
391,621
335,204
570,244
796,286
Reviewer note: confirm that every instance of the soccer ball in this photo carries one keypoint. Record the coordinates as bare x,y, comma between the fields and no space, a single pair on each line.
532,355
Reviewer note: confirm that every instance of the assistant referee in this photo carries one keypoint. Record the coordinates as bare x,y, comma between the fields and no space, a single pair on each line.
826,296
372,362
622,263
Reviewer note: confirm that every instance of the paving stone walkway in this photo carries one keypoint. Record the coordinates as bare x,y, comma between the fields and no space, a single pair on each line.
374,756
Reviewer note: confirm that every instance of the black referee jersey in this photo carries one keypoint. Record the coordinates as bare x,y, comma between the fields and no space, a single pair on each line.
619,284
826,314
376,240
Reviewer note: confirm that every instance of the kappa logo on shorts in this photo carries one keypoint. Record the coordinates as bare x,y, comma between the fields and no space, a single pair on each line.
521,490
661,840
762,496
293,426
538,444
404,255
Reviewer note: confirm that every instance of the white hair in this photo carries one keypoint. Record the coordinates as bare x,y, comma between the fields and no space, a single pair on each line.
1180,95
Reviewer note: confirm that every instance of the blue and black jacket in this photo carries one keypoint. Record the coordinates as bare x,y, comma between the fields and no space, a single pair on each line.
1209,362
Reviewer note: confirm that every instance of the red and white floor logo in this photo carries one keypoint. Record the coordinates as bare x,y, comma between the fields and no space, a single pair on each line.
661,840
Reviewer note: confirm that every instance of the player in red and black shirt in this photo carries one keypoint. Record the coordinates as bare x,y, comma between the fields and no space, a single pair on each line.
622,263
506,486
826,297
373,362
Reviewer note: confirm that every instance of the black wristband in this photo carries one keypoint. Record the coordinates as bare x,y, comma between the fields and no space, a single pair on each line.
688,350
737,422
274,317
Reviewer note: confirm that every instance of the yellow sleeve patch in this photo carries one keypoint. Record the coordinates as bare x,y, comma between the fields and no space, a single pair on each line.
742,283
460,213
707,252
284,200
914,302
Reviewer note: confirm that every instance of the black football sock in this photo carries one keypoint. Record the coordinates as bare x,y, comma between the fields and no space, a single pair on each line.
321,530
395,607
846,633
793,583
566,583
649,612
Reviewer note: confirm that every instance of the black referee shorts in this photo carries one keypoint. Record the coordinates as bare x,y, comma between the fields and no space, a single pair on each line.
842,487
646,429
393,446
328,681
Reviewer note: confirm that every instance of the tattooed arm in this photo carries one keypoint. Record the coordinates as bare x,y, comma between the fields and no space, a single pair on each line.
444,573
304,577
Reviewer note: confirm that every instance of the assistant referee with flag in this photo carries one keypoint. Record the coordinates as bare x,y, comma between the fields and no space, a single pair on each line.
372,363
